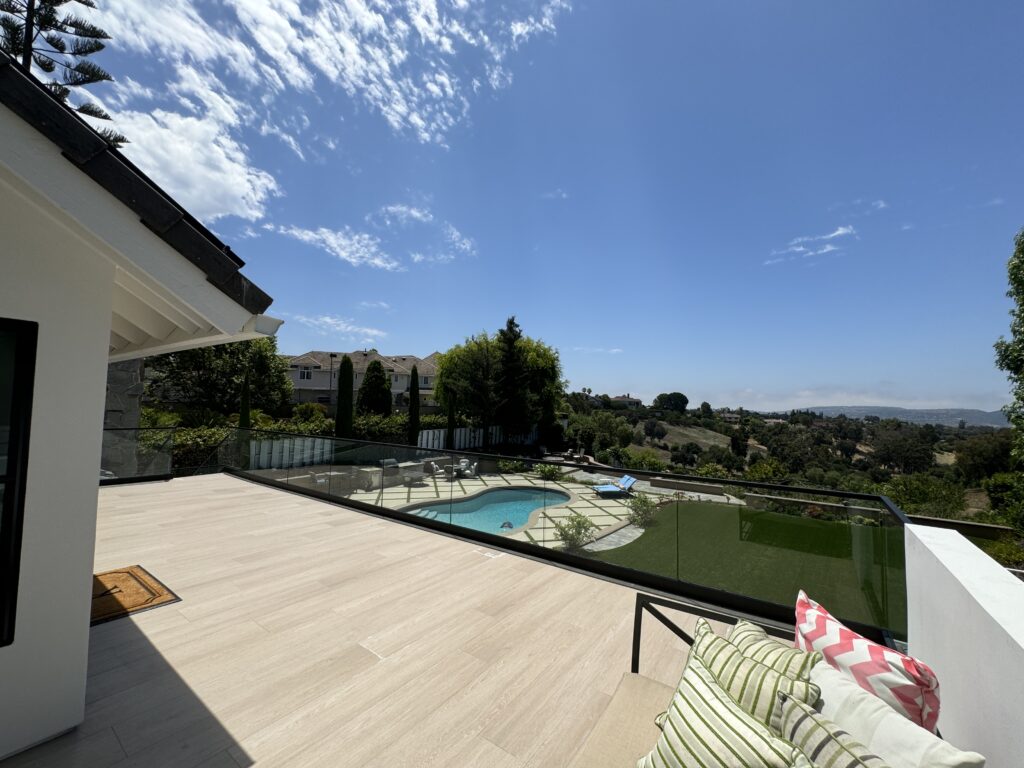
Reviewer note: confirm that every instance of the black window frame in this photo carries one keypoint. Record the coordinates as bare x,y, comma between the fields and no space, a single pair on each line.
12,506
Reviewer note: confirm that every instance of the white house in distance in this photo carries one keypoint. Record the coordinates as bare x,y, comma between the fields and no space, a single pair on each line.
314,376
97,264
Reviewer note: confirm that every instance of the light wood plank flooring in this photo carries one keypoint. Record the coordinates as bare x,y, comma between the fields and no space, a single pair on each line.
312,635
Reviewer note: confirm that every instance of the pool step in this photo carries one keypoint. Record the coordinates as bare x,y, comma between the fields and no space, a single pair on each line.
429,514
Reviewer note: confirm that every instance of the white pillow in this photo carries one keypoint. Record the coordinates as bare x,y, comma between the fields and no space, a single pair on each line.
882,729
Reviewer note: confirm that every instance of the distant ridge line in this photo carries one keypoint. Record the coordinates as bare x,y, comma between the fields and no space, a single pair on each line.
949,417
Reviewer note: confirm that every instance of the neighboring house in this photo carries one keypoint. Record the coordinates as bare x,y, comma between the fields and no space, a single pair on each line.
625,401
98,265
314,376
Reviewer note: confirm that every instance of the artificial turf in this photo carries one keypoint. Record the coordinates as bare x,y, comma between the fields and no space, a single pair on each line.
769,555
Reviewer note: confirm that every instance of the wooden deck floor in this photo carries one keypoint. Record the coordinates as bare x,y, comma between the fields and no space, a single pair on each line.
312,635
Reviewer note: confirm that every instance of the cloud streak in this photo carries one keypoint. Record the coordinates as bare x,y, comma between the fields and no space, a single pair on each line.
809,247
333,325
355,248
415,63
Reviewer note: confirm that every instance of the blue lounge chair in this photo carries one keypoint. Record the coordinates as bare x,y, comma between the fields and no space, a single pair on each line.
622,486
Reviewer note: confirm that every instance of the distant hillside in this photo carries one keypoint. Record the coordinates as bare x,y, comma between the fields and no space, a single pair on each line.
949,416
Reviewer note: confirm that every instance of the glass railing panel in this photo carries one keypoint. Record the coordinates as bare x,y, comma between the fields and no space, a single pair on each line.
750,540
768,544
136,453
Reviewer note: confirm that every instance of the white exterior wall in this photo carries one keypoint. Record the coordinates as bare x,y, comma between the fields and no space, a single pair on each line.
965,619
54,278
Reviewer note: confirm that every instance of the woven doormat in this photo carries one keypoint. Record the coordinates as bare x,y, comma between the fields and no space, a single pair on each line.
124,591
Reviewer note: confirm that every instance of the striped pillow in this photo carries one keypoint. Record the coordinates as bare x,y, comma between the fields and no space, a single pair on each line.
705,728
755,644
751,684
824,743
907,685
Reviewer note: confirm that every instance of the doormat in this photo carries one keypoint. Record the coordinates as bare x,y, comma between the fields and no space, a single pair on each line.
124,591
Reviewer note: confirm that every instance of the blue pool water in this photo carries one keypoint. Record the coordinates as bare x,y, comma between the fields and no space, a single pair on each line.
490,509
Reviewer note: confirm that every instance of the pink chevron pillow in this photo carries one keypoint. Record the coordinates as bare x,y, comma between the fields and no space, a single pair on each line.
906,684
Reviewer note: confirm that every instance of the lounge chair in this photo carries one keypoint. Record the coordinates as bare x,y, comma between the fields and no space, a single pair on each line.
622,486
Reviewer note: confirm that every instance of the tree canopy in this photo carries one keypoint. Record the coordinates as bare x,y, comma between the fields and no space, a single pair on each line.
44,33
375,392
672,401
507,379
1010,352
212,378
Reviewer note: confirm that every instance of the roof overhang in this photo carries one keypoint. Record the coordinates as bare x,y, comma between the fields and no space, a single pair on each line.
176,286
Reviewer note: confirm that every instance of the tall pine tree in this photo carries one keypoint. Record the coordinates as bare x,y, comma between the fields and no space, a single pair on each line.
44,33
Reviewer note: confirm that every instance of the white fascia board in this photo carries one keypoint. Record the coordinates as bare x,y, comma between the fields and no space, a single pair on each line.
76,202
259,327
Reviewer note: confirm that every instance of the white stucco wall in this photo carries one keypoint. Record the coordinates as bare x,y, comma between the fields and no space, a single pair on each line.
50,276
965,618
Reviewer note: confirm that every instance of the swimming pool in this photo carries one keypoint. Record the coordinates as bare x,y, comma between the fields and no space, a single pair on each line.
491,509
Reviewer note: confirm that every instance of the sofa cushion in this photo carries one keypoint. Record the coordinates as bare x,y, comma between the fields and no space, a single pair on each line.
904,683
885,732
626,730
751,684
705,728
825,743
756,644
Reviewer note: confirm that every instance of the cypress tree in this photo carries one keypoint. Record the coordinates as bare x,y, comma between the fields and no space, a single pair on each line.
414,407
343,417
375,392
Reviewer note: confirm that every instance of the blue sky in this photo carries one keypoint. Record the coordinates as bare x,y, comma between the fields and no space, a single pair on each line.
766,204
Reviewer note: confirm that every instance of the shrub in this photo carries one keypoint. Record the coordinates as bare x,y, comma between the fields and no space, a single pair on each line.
194,445
575,532
641,510
309,412
925,495
511,466
711,469
1008,551
766,470
548,472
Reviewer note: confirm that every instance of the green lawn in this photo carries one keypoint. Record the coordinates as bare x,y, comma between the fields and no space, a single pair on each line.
771,556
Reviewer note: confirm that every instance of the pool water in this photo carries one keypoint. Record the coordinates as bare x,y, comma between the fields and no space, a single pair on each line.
488,511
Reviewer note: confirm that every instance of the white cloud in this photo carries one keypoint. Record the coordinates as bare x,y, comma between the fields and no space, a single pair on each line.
374,305
599,350
337,326
198,162
842,231
289,141
879,205
356,248
399,214
994,202
906,227
458,241
816,245
556,194
416,63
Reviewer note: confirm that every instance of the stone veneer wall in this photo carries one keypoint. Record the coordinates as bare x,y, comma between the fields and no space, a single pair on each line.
123,410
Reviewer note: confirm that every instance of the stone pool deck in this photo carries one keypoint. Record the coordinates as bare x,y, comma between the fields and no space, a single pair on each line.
606,513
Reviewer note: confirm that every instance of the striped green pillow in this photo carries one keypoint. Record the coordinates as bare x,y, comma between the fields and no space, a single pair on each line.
824,743
705,728
755,644
753,685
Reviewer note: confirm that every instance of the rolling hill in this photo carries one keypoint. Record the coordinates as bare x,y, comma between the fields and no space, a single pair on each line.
948,416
